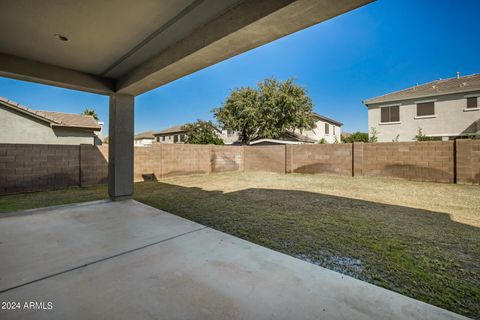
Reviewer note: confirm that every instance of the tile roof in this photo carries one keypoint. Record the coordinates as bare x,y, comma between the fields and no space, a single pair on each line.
145,135
434,88
326,119
57,119
175,129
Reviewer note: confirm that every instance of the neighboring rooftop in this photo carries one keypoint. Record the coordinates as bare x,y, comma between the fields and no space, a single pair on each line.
434,88
326,119
175,129
57,119
145,135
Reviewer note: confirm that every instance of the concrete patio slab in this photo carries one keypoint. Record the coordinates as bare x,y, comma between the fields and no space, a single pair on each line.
43,242
186,272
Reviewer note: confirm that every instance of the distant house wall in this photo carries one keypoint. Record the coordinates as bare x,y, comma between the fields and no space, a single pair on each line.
170,138
229,136
451,119
17,127
318,133
143,142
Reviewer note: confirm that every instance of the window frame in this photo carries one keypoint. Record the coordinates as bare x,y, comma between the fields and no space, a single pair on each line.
424,102
475,98
389,107
327,129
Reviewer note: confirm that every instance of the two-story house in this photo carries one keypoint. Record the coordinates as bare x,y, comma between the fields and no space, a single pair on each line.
174,134
443,110
325,129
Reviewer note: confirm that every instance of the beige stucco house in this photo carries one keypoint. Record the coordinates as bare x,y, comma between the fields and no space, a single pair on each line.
325,128
442,109
19,124
144,139
174,134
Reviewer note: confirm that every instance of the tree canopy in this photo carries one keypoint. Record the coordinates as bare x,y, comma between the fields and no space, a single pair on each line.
201,132
355,137
268,111
90,112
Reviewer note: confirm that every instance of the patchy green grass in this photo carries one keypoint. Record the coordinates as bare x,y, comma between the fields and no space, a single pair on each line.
419,239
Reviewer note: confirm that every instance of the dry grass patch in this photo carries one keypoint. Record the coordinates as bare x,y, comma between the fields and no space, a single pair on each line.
419,239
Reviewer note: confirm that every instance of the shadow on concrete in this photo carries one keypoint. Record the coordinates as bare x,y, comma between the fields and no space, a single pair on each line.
420,253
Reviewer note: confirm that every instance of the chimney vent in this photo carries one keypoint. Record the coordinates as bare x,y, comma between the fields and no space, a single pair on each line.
458,75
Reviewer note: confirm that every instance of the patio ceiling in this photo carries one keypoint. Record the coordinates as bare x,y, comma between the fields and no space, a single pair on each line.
131,47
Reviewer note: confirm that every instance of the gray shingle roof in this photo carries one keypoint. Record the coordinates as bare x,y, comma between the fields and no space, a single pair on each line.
57,119
326,119
175,129
145,135
434,88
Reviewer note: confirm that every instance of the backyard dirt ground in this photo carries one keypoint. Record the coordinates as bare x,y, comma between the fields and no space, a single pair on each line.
419,239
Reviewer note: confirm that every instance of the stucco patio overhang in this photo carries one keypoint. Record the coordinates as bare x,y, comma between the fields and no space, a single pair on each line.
124,48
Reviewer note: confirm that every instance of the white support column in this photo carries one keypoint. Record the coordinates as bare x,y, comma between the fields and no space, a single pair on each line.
120,147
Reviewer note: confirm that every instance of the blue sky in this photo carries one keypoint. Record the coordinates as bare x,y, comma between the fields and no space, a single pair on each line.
385,46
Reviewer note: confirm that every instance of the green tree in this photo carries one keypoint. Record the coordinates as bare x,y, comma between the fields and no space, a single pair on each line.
268,111
90,112
373,135
355,137
322,141
421,136
201,132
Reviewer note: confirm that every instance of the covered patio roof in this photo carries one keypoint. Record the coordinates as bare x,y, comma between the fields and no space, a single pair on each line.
124,48
130,47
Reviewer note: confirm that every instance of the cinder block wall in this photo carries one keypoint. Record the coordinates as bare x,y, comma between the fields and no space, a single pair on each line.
93,165
468,161
26,167
421,161
226,158
265,158
320,158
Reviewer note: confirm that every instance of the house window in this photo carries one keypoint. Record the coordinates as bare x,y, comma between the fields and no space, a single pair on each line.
333,130
175,138
425,109
163,138
326,128
472,102
390,114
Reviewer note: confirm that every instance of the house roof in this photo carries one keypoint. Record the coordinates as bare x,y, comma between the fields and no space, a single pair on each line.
175,129
327,119
57,119
287,138
145,135
433,88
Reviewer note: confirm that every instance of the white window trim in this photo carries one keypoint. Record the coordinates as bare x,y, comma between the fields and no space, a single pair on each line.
470,109
390,105
386,123
425,117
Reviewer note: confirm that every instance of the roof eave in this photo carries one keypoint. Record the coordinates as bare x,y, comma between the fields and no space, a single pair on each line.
374,101
76,127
